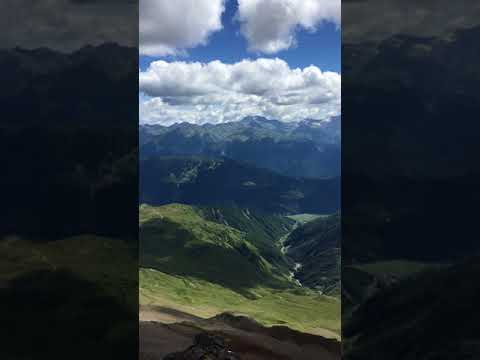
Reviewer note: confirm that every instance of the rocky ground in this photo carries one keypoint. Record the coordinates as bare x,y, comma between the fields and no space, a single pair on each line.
225,337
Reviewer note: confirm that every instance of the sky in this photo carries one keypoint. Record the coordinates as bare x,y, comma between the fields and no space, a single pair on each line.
215,61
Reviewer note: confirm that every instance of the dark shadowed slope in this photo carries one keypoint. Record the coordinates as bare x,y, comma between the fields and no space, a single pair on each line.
315,247
235,336
229,183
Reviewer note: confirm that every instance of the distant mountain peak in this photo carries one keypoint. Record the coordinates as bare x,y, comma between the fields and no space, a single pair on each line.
308,148
254,121
312,122
260,121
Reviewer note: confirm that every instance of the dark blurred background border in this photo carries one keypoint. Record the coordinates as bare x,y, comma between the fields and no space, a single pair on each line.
410,175
69,184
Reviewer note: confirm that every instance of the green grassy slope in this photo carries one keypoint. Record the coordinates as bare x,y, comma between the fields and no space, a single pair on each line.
261,229
300,309
209,260
304,218
178,240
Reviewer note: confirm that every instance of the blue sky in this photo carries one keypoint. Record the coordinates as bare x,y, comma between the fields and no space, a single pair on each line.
321,48
274,58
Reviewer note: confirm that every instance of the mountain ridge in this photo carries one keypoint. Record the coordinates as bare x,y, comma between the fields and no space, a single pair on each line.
228,183
308,148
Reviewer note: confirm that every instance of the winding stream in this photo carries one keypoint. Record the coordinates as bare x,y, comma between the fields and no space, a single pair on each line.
284,251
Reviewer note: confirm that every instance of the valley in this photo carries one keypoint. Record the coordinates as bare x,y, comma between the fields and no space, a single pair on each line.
214,261
210,282
227,241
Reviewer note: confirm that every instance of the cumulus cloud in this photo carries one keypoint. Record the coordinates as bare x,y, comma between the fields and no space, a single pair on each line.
217,92
270,25
169,27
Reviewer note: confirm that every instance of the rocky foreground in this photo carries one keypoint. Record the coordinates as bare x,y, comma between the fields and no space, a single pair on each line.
206,346
229,337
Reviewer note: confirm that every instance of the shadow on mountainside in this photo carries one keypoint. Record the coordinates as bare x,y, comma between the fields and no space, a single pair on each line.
170,248
227,336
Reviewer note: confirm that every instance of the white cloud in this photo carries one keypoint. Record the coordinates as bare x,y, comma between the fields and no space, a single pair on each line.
168,27
216,92
270,25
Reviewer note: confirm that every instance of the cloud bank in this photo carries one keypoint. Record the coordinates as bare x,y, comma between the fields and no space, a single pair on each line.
217,92
270,25
170,27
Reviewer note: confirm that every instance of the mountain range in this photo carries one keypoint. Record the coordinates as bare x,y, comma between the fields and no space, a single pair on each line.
308,148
